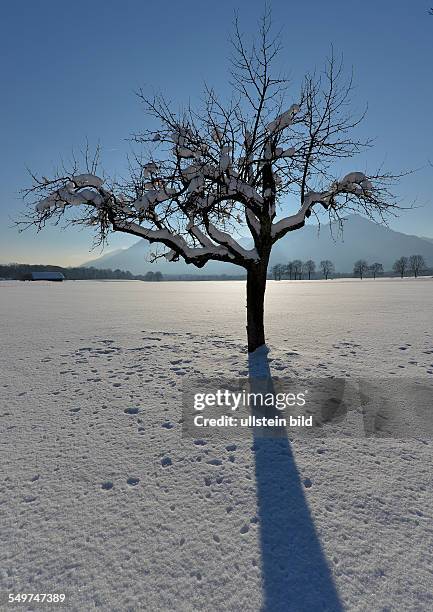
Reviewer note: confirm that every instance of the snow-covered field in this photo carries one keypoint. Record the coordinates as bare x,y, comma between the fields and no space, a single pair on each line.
120,512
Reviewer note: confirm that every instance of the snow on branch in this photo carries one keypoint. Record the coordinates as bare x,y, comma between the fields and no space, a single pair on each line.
88,190
234,247
178,245
284,120
354,185
226,246
71,193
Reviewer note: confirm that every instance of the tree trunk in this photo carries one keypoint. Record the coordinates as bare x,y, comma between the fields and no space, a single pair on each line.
256,287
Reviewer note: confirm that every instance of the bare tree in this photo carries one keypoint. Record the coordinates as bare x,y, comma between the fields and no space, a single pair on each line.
297,268
205,175
327,268
360,268
309,268
289,269
400,266
416,264
277,271
376,269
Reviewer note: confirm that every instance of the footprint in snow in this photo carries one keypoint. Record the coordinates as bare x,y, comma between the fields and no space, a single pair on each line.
131,410
133,481
28,499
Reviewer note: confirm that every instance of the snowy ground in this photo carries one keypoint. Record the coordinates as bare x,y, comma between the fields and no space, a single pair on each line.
119,512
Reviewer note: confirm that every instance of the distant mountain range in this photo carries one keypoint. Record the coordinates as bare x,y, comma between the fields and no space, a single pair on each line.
360,239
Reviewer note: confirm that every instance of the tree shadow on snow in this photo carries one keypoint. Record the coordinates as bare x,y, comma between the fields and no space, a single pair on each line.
295,572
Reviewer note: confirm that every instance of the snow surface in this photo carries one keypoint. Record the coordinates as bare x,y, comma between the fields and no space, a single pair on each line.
102,499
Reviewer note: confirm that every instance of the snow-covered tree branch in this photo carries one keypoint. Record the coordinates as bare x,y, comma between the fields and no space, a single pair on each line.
260,163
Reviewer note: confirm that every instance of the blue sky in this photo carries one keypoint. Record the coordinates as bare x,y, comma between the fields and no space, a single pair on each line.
69,72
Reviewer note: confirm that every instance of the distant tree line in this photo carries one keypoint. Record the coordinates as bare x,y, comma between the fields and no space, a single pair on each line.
297,269
152,276
16,271
415,264
361,268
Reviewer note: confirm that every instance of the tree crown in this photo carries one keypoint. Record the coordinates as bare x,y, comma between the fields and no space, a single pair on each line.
206,172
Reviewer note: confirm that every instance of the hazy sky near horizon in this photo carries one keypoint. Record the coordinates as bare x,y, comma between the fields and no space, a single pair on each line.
69,72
